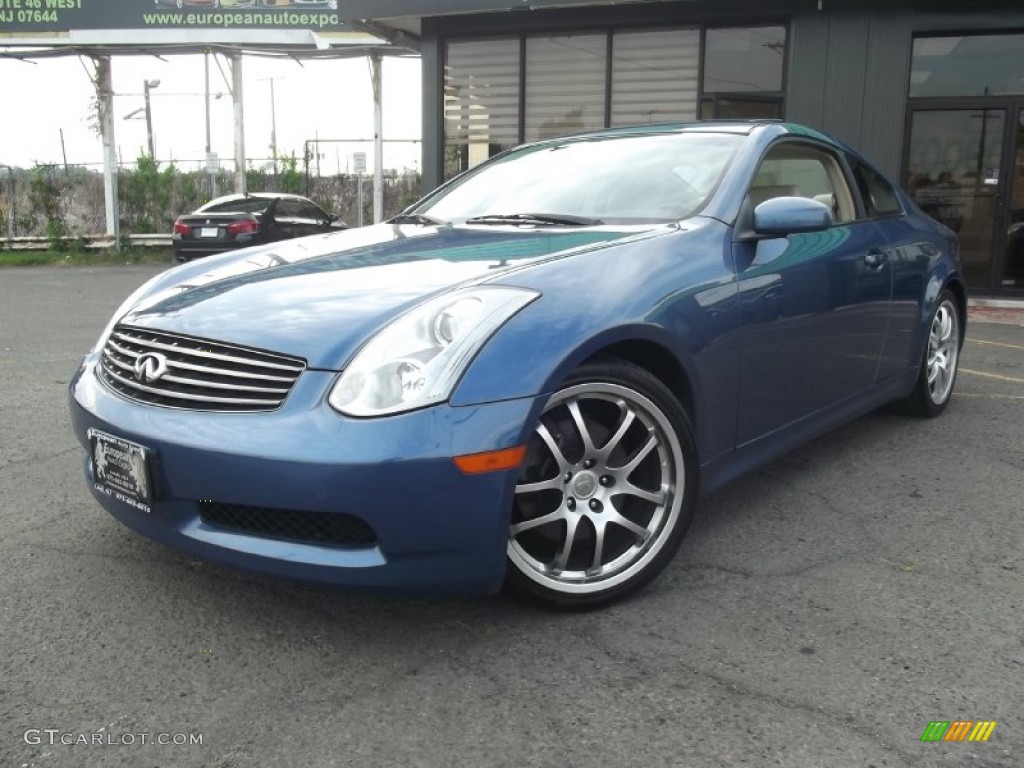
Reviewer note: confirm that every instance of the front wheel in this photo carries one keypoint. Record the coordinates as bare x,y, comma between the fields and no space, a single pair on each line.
607,490
934,387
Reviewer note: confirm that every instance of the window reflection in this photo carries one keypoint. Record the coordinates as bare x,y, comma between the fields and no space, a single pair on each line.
481,101
654,78
953,174
1013,259
977,65
565,84
744,59
743,71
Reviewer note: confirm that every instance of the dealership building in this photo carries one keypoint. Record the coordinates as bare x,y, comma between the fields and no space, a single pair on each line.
931,92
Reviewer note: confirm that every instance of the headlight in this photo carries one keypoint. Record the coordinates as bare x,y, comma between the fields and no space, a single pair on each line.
417,359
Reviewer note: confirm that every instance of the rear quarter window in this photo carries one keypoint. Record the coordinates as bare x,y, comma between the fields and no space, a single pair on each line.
880,198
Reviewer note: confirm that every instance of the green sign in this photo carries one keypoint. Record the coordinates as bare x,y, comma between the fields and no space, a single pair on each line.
58,16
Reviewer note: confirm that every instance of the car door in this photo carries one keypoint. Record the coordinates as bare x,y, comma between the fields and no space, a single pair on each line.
287,219
910,257
274,227
814,306
312,218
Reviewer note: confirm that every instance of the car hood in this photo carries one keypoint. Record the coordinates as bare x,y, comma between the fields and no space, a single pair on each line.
320,297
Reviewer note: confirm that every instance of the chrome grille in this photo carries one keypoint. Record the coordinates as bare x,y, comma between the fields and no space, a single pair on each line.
198,374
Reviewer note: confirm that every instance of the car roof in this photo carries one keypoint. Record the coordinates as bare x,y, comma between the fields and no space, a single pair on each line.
734,127
742,127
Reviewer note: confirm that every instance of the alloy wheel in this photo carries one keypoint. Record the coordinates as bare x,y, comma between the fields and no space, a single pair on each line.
943,352
600,491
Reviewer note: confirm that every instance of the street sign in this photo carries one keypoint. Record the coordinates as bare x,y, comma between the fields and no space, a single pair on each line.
359,162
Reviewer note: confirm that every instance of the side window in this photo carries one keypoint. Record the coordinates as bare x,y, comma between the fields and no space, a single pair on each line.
880,198
287,209
310,211
792,169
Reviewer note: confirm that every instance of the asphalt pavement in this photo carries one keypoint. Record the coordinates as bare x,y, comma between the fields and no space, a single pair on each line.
820,614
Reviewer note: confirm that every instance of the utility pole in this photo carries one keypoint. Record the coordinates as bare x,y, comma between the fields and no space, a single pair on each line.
146,86
273,122
273,125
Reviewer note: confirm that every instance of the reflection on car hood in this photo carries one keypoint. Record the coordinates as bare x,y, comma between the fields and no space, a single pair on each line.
320,297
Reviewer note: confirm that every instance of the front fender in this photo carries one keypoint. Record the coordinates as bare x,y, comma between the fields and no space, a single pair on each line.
676,293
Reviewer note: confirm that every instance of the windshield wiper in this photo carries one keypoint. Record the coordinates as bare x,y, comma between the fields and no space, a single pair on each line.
415,218
559,219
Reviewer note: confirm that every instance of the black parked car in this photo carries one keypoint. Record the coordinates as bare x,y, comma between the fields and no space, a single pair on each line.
238,221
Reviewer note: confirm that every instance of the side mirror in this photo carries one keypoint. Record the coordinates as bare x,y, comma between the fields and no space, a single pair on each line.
783,216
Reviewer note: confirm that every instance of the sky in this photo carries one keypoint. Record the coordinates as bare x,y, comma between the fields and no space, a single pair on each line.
329,99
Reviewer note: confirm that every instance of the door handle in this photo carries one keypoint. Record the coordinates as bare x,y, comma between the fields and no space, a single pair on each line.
876,258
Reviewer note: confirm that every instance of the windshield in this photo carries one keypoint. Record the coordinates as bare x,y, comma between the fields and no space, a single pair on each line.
611,180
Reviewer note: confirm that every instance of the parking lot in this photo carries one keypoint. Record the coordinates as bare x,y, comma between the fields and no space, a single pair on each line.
820,614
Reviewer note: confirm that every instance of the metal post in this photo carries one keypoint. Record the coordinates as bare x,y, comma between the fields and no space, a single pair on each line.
146,85
273,126
211,173
64,153
378,141
105,99
359,201
236,96
12,219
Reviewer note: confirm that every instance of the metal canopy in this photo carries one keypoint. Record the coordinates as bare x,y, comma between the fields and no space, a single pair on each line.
233,33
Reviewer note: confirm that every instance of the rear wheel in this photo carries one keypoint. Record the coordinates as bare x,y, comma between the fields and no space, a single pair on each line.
934,387
607,490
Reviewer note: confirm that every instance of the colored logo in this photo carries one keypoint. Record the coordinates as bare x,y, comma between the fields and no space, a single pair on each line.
958,730
150,367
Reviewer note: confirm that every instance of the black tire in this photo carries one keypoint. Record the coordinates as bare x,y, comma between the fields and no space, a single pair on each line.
927,400
599,485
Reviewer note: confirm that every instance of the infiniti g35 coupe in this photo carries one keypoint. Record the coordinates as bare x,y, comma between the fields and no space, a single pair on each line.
530,376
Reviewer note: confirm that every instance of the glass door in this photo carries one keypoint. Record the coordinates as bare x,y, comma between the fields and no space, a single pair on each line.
1012,273
954,173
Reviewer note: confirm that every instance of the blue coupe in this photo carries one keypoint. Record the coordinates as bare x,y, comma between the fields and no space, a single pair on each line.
530,376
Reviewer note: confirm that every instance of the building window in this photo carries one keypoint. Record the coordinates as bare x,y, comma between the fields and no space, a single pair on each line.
655,76
570,85
979,65
481,102
743,72
565,84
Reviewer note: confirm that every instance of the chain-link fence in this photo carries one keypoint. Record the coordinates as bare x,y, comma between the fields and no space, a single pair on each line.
57,201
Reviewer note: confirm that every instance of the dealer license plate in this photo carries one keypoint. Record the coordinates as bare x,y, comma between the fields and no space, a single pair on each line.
209,232
121,469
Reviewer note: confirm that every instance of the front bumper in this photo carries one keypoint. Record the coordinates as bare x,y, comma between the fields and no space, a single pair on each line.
438,530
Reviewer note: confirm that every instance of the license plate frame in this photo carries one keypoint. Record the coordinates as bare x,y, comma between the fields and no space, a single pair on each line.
122,469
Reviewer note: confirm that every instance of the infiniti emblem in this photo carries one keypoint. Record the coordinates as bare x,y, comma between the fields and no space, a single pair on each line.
150,367
584,485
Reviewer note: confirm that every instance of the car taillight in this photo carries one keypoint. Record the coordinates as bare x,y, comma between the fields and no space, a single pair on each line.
180,228
243,227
